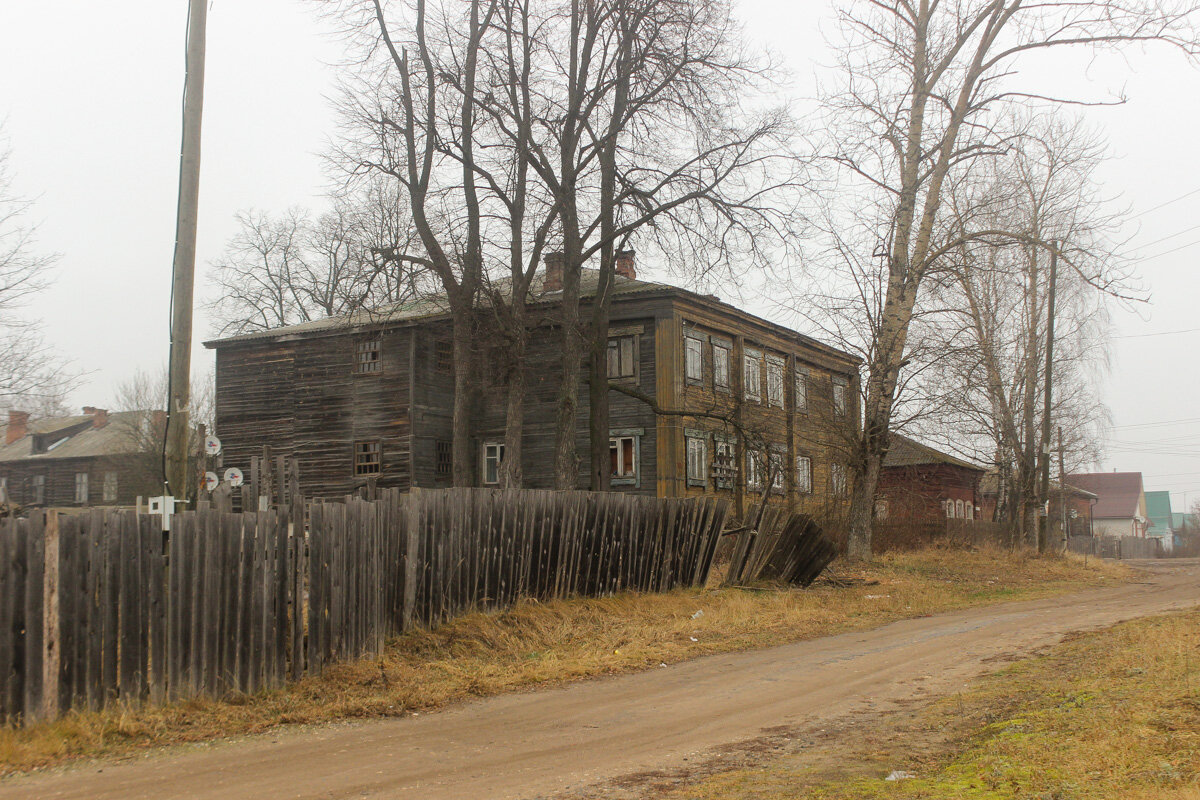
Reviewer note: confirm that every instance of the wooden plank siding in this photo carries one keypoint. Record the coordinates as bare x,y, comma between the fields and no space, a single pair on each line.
134,479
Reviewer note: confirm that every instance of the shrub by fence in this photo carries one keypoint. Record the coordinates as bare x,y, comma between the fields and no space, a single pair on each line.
96,609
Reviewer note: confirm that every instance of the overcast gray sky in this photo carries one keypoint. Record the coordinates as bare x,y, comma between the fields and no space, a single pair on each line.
90,98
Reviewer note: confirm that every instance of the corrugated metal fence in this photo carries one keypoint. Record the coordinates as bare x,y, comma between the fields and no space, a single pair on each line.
102,608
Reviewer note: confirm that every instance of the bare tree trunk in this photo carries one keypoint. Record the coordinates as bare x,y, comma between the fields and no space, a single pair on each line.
464,392
566,458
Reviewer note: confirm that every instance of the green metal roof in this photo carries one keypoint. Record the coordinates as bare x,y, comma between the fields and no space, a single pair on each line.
1158,510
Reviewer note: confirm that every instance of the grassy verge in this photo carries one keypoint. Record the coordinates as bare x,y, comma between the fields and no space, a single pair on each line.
536,644
1113,714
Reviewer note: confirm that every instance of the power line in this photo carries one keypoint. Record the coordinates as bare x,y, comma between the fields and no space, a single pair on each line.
1155,424
1160,333
1172,250
1171,236
1164,205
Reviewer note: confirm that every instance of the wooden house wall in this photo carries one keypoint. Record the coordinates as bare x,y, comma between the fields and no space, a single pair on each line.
814,431
916,492
432,401
304,398
134,478
542,370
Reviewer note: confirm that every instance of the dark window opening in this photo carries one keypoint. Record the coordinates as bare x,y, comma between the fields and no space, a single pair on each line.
368,458
442,459
367,358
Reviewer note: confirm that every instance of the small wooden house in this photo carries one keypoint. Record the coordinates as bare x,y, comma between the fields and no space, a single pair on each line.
922,484
369,398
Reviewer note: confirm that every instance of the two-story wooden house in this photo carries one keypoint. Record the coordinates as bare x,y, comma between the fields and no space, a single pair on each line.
744,402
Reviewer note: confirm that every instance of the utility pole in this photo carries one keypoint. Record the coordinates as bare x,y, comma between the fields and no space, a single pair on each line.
1044,487
183,274
1062,487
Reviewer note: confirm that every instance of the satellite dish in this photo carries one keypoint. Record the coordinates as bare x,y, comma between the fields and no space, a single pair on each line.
210,481
233,476
212,445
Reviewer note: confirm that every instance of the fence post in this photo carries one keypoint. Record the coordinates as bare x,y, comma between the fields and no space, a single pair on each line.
50,620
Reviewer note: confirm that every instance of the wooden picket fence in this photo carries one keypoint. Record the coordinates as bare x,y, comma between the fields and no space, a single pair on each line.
105,608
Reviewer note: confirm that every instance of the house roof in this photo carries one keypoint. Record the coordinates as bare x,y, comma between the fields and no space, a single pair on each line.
1118,492
436,305
82,439
1158,510
906,452
990,484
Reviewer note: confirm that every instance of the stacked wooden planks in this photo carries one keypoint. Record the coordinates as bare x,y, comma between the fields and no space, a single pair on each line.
779,546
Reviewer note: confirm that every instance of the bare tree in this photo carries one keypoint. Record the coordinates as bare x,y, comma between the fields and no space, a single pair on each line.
32,375
923,87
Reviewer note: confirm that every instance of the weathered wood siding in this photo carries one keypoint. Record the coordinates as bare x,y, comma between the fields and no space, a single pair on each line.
135,477
302,397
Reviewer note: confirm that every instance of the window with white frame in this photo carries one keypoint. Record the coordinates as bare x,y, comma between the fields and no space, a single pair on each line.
754,470
804,474
881,508
801,389
837,479
724,461
775,467
81,487
110,487
623,458
970,511
493,457
697,458
622,357
752,374
959,511
840,388
720,351
693,359
774,381
949,506
39,489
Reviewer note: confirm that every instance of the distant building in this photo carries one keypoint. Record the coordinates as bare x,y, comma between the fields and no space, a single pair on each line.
1162,525
1079,504
96,458
922,484
1120,508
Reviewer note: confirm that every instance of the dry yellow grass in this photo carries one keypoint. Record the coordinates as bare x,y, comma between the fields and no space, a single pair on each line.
534,644
1112,714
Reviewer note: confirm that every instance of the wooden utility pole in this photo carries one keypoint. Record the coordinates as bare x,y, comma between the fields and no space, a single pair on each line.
182,280
1062,487
1044,487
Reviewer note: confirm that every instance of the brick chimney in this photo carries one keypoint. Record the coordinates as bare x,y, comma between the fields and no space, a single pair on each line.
99,416
554,272
625,265
18,426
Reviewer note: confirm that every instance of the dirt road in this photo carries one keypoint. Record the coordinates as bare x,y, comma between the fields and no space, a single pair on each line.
541,743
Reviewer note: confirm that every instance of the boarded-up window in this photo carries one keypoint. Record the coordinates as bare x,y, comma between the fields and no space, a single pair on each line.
81,487
110,487
752,374
837,479
720,366
367,359
442,458
622,453
839,396
803,474
493,457
801,389
622,354
368,458
693,350
697,461
724,465
774,382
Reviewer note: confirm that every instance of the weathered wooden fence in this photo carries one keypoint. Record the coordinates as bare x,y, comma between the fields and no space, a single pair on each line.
103,608
777,545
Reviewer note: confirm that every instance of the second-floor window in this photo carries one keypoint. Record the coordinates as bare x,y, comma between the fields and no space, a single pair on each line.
443,458
801,389
81,487
622,357
752,375
839,396
774,381
367,359
720,366
693,359
803,474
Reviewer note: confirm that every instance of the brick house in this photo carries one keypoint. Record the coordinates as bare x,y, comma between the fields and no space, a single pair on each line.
96,458
368,398
922,484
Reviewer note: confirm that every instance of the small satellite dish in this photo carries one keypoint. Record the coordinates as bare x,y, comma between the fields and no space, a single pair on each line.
212,445
233,476
210,481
